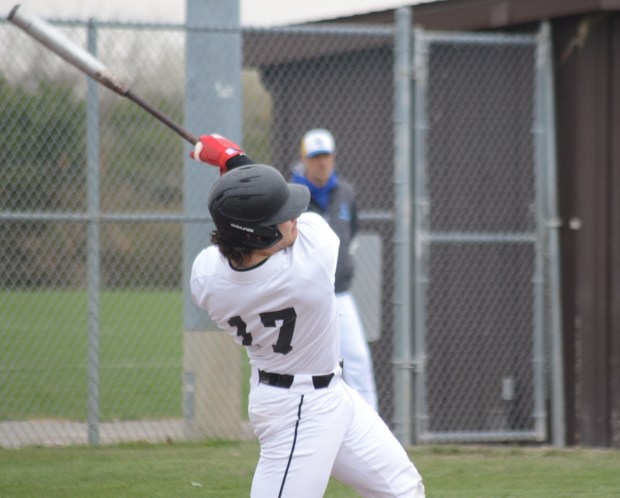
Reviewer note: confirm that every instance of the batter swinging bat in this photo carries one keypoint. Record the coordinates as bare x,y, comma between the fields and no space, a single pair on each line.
58,43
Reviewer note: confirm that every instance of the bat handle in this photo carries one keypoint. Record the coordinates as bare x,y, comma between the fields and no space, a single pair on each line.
162,117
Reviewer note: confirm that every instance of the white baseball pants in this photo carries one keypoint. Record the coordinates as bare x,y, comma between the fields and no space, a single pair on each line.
307,435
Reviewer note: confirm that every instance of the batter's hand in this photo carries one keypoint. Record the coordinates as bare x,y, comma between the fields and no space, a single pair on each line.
216,150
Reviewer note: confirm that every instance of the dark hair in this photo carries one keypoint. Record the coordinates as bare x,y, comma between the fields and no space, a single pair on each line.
235,254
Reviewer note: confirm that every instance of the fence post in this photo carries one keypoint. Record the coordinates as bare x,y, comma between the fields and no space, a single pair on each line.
402,359
212,361
538,278
94,250
558,426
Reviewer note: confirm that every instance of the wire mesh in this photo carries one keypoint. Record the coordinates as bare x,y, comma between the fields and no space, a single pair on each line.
293,79
482,250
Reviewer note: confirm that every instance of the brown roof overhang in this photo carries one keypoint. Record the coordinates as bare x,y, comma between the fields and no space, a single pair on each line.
485,14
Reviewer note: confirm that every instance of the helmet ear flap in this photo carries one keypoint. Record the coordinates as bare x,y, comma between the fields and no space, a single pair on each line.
248,203
259,238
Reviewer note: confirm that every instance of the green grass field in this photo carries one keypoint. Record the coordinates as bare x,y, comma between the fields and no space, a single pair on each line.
44,355
43,374
221,470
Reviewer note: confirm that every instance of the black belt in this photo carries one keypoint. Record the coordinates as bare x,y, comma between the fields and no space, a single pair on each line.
286,381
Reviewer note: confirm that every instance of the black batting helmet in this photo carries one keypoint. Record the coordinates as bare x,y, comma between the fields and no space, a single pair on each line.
248,202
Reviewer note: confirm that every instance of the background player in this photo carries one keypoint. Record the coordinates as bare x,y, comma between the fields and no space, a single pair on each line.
334,199
269,281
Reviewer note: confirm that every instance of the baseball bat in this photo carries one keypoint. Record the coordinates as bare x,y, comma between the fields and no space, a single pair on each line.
57,42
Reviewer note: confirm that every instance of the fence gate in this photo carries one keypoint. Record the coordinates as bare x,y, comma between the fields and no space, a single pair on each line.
481,304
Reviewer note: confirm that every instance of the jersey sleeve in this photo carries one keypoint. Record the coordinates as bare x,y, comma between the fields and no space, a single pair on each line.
318,240
202,268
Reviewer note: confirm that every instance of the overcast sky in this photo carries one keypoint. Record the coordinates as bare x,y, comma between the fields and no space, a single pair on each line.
253,12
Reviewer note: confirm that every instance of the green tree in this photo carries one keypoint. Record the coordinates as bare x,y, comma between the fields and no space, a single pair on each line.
41,169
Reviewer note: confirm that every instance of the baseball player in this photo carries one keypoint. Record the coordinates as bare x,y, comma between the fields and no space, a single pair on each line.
268,280
334,199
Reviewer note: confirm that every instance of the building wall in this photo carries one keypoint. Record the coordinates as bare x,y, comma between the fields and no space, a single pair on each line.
587,51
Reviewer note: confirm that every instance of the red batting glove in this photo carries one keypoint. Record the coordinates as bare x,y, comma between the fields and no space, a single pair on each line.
215,150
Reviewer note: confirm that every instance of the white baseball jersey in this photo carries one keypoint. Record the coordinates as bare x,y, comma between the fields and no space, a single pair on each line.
283,311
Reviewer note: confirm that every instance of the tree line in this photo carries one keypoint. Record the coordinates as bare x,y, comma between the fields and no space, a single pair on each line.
43,169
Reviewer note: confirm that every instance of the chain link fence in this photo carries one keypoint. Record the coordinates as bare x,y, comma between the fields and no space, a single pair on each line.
48,249
70,149
481,225
49,302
